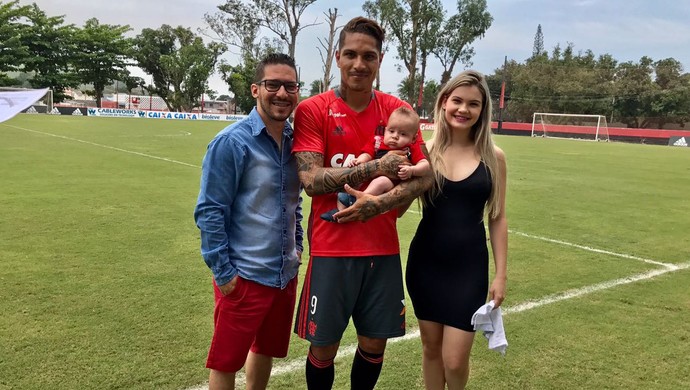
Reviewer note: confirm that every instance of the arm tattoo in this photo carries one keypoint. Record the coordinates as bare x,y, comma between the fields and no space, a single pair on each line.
390,165
318,180
404,193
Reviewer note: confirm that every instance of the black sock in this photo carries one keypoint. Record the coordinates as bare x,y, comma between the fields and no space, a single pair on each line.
320,373
366,368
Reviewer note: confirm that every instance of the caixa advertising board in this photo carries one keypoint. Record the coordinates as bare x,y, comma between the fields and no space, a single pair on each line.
145,114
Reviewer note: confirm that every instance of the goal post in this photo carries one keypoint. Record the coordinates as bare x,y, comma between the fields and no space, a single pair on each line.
577,126
42,105
16,100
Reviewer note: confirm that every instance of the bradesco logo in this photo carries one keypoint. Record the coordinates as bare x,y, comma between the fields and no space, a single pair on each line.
171,115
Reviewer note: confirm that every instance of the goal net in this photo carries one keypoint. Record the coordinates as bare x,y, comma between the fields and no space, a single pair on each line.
578,126
41,105
16,100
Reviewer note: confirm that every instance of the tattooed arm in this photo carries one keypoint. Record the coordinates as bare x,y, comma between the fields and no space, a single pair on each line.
318,180
401,196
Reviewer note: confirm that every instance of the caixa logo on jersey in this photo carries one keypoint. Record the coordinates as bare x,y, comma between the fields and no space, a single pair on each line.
340,160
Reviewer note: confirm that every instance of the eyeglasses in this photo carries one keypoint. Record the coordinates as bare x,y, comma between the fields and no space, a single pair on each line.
274,85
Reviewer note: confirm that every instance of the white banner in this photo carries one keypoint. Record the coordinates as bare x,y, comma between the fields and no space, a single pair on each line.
195,116
14,102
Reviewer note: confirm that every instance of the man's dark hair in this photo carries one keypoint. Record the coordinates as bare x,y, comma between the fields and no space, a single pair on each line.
273,59
365,26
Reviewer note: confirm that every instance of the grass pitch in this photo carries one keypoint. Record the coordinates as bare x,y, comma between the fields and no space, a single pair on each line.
102,285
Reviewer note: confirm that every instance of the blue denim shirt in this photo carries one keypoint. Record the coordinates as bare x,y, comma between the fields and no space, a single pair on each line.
249,209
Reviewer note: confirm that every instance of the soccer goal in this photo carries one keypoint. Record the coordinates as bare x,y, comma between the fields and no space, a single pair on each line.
41,105
578,126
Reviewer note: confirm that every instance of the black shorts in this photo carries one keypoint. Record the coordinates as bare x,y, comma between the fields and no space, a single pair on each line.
368,289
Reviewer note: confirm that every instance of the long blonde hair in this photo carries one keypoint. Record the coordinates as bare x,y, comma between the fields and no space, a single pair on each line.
481,134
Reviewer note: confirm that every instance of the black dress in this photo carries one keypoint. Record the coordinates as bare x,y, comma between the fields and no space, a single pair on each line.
447,272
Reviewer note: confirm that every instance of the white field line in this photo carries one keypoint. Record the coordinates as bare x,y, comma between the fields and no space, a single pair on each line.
288,366
181,134
577,292
107,147
348,351
586,248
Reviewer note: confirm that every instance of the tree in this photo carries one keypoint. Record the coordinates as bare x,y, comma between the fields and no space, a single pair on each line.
430,25
102,54
131,83
13,52
316,87
179,62
372,9
237,24
431,89
234,28
633,91
239,79
51,47
671,93
565,82
403,19
329,47
414,25
127,83
282,17
458,32
538,48
640,94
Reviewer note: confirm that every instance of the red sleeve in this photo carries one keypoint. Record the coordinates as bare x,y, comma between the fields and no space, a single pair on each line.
308,128
370,147
416,154
419,140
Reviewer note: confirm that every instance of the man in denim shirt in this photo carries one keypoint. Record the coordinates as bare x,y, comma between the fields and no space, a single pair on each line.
249,213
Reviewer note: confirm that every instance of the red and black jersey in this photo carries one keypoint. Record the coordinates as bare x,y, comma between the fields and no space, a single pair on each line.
376,149
325,124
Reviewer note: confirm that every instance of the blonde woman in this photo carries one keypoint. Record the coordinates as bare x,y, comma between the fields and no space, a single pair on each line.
448,263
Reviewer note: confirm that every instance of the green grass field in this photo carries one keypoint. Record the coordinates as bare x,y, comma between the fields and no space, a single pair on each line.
102,285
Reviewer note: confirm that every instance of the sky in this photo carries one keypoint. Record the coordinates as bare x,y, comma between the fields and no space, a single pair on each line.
626,29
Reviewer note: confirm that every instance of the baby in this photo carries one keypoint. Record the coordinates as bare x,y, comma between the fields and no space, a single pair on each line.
400,134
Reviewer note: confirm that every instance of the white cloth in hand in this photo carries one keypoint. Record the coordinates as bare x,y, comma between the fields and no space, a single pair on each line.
490,322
